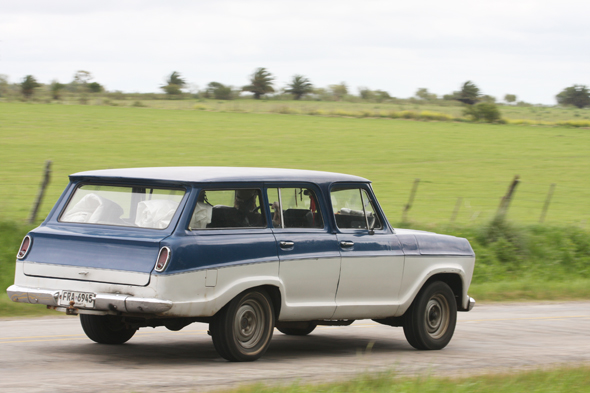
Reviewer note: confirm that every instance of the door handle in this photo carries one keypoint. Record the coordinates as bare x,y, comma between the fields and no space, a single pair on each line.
346,244
286,244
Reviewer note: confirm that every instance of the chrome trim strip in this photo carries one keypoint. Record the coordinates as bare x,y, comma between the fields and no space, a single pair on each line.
102,301
470,304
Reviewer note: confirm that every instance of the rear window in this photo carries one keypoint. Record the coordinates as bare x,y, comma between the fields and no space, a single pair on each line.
132,206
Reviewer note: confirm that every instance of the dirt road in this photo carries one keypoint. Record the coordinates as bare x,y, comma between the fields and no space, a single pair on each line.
54,355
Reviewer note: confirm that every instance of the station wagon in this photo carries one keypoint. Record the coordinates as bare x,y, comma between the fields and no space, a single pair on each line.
246,250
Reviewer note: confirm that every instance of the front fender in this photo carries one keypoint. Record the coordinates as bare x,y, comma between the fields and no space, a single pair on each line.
418,270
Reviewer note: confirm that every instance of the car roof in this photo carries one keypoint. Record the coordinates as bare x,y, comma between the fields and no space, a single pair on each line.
198,174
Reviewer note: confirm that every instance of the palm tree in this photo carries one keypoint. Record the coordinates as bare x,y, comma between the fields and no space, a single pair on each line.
299,87
174,84
260,83
175,79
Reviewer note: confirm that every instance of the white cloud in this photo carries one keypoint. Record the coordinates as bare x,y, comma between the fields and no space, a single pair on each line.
530,48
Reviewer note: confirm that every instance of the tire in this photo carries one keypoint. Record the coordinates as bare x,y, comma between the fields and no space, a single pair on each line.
106,329
430,321
298,331
242,330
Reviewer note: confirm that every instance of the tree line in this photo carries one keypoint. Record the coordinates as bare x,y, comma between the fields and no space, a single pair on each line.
261,84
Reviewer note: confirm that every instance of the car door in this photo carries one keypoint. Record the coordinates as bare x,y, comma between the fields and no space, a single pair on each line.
230,239
372,258
309,258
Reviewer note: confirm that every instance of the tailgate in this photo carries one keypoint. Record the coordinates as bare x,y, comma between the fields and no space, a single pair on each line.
113,256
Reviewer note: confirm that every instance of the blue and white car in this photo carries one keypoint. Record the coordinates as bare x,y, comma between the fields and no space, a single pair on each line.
246,250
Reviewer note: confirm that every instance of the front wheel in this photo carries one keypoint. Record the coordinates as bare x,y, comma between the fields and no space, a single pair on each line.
430,321
242,330
106,329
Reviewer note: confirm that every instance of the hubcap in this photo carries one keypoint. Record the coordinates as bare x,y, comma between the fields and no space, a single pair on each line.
249,324
436,316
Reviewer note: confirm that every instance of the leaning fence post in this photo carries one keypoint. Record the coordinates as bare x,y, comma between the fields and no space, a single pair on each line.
456,210
506,199
44,184
547,201
410,201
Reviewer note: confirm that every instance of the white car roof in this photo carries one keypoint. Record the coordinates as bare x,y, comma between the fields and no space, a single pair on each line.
219,174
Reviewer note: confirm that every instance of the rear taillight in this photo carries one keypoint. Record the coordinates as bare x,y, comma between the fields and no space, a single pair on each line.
24,247
163,258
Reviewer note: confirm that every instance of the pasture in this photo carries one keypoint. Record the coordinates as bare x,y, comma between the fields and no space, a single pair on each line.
475,162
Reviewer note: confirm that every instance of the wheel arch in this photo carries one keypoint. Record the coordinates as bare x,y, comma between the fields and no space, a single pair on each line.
275,296
453,280
273,292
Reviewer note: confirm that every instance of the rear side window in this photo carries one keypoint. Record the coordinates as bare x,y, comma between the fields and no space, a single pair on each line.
235,208
142,207
295,208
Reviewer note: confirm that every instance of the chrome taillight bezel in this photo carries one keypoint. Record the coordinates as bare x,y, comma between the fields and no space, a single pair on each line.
20,254
163,266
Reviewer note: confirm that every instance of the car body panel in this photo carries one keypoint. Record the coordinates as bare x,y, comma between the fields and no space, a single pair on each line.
370,277
313,276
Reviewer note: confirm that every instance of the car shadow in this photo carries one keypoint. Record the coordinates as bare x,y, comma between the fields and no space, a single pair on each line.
188,350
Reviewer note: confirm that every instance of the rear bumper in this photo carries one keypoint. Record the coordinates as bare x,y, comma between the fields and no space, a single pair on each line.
103,301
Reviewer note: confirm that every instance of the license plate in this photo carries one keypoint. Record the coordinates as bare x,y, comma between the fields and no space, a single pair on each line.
80,299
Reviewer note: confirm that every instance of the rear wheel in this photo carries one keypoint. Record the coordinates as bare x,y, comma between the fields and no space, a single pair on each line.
106,329
298,331
430,322
242,330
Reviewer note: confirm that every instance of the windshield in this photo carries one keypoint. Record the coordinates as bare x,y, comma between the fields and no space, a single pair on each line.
130,206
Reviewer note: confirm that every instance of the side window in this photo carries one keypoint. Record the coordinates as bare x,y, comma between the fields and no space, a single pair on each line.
237,208
295,208
351,205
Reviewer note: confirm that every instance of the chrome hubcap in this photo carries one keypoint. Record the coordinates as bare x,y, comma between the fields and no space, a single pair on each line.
436,316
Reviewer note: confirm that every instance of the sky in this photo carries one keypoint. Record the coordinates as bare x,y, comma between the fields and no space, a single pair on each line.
533,49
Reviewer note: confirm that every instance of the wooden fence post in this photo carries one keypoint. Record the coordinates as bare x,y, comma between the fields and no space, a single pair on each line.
44,184
410,201
506,199
547,201
456,210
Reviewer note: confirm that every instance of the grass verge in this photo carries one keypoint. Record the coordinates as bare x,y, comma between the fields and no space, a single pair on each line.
530,290
10,309
558,380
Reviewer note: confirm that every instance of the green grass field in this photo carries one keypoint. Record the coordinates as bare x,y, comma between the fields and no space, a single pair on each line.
473,161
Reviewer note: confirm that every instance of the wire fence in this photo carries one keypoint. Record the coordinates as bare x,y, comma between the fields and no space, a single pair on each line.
475,201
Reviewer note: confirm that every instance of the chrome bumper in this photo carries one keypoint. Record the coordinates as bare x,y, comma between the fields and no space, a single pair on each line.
102,301
470,305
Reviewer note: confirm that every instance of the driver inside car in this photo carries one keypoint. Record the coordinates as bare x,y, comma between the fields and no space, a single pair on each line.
248,210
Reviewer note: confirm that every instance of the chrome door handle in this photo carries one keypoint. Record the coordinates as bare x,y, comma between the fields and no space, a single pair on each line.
346,244
286,244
